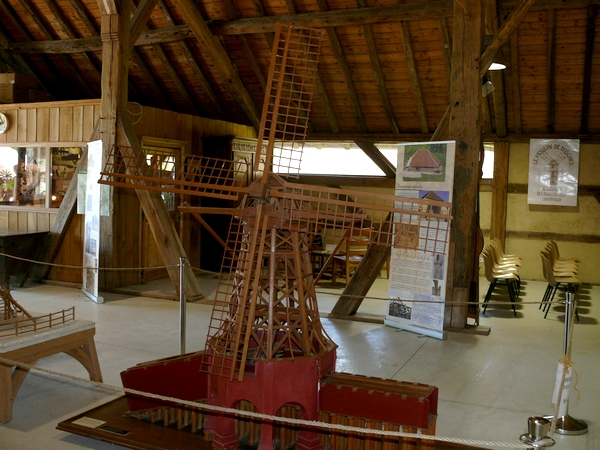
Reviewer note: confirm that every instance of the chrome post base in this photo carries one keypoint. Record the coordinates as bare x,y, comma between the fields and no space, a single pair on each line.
568,425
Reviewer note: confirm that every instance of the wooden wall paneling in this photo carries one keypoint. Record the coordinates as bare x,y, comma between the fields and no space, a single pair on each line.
43,221
22,219
13,220
127,232
89,121
31,125
11,132
77,134
54,124
65,131
70,253
3,219
42,129
32,221
21,125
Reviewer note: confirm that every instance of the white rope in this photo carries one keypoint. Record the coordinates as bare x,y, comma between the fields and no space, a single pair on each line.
309,423
107,269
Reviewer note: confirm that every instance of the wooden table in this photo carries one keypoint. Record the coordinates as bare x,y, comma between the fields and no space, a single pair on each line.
24,244
76,338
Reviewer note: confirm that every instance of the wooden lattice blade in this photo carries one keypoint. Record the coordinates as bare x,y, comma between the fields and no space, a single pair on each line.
288,99
198,175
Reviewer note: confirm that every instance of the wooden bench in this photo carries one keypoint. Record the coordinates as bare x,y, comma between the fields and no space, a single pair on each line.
76,338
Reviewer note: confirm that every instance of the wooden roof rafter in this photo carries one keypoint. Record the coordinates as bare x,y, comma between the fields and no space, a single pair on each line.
378,72
36,17
185,48
496,76
551,70
221,60
343,63
413,75
590,32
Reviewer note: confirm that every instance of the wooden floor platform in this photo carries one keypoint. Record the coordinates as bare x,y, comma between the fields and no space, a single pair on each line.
108,423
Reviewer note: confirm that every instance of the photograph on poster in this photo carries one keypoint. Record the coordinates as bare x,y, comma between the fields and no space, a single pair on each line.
425,161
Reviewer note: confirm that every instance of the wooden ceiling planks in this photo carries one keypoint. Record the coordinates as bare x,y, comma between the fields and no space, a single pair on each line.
365,79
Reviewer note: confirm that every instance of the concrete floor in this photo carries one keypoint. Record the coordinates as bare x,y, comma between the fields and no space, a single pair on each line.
488,385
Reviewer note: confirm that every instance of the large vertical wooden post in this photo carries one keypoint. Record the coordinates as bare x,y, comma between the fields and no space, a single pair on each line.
115,129
115,55
500,191
464,128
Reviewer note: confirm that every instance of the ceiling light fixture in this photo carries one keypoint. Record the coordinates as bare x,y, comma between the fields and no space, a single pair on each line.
495,65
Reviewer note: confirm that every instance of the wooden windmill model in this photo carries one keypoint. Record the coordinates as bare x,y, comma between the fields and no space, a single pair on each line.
265,333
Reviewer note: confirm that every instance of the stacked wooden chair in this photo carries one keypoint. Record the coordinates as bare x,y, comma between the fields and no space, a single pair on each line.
501,269
560,273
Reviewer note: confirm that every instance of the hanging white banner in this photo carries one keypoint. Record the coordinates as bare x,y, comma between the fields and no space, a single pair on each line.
553,172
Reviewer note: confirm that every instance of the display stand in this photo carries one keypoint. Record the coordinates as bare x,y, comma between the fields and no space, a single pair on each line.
566,424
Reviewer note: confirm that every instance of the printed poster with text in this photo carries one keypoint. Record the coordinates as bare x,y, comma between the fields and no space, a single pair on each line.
417,286
553,172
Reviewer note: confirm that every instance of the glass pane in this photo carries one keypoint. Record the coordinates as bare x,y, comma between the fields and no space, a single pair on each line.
64,162
31,177
8,168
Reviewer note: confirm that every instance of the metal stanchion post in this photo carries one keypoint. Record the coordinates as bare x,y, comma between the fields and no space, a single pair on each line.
182,305
566,424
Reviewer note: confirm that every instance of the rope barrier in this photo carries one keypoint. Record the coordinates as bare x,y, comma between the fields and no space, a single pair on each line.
255,415
195,269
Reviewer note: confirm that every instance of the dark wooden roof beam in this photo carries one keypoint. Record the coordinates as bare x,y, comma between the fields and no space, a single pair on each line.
28,7
378,158
516,82
413,76
185,48
551,71
139,20
590,35
220,59
322,19
70,31
492,23
338,52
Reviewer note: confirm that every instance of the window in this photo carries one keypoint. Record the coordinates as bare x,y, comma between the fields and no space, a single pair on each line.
36,176
330,158
488,161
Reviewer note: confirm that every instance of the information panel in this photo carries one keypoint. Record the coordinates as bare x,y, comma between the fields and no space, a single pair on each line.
418,278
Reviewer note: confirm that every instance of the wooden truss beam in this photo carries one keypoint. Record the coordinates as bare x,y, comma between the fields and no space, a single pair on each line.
319,19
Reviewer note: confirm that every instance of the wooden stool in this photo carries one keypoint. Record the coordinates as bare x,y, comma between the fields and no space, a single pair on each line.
76,338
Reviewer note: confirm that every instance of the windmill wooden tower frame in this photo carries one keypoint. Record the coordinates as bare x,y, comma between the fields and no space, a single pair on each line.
265,332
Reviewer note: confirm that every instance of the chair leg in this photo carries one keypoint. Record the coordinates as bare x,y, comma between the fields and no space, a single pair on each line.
545,297
488,295
513,292
549,303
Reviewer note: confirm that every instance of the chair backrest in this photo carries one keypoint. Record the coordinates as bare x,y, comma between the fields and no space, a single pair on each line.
553,247
358,241
545,263
488,264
